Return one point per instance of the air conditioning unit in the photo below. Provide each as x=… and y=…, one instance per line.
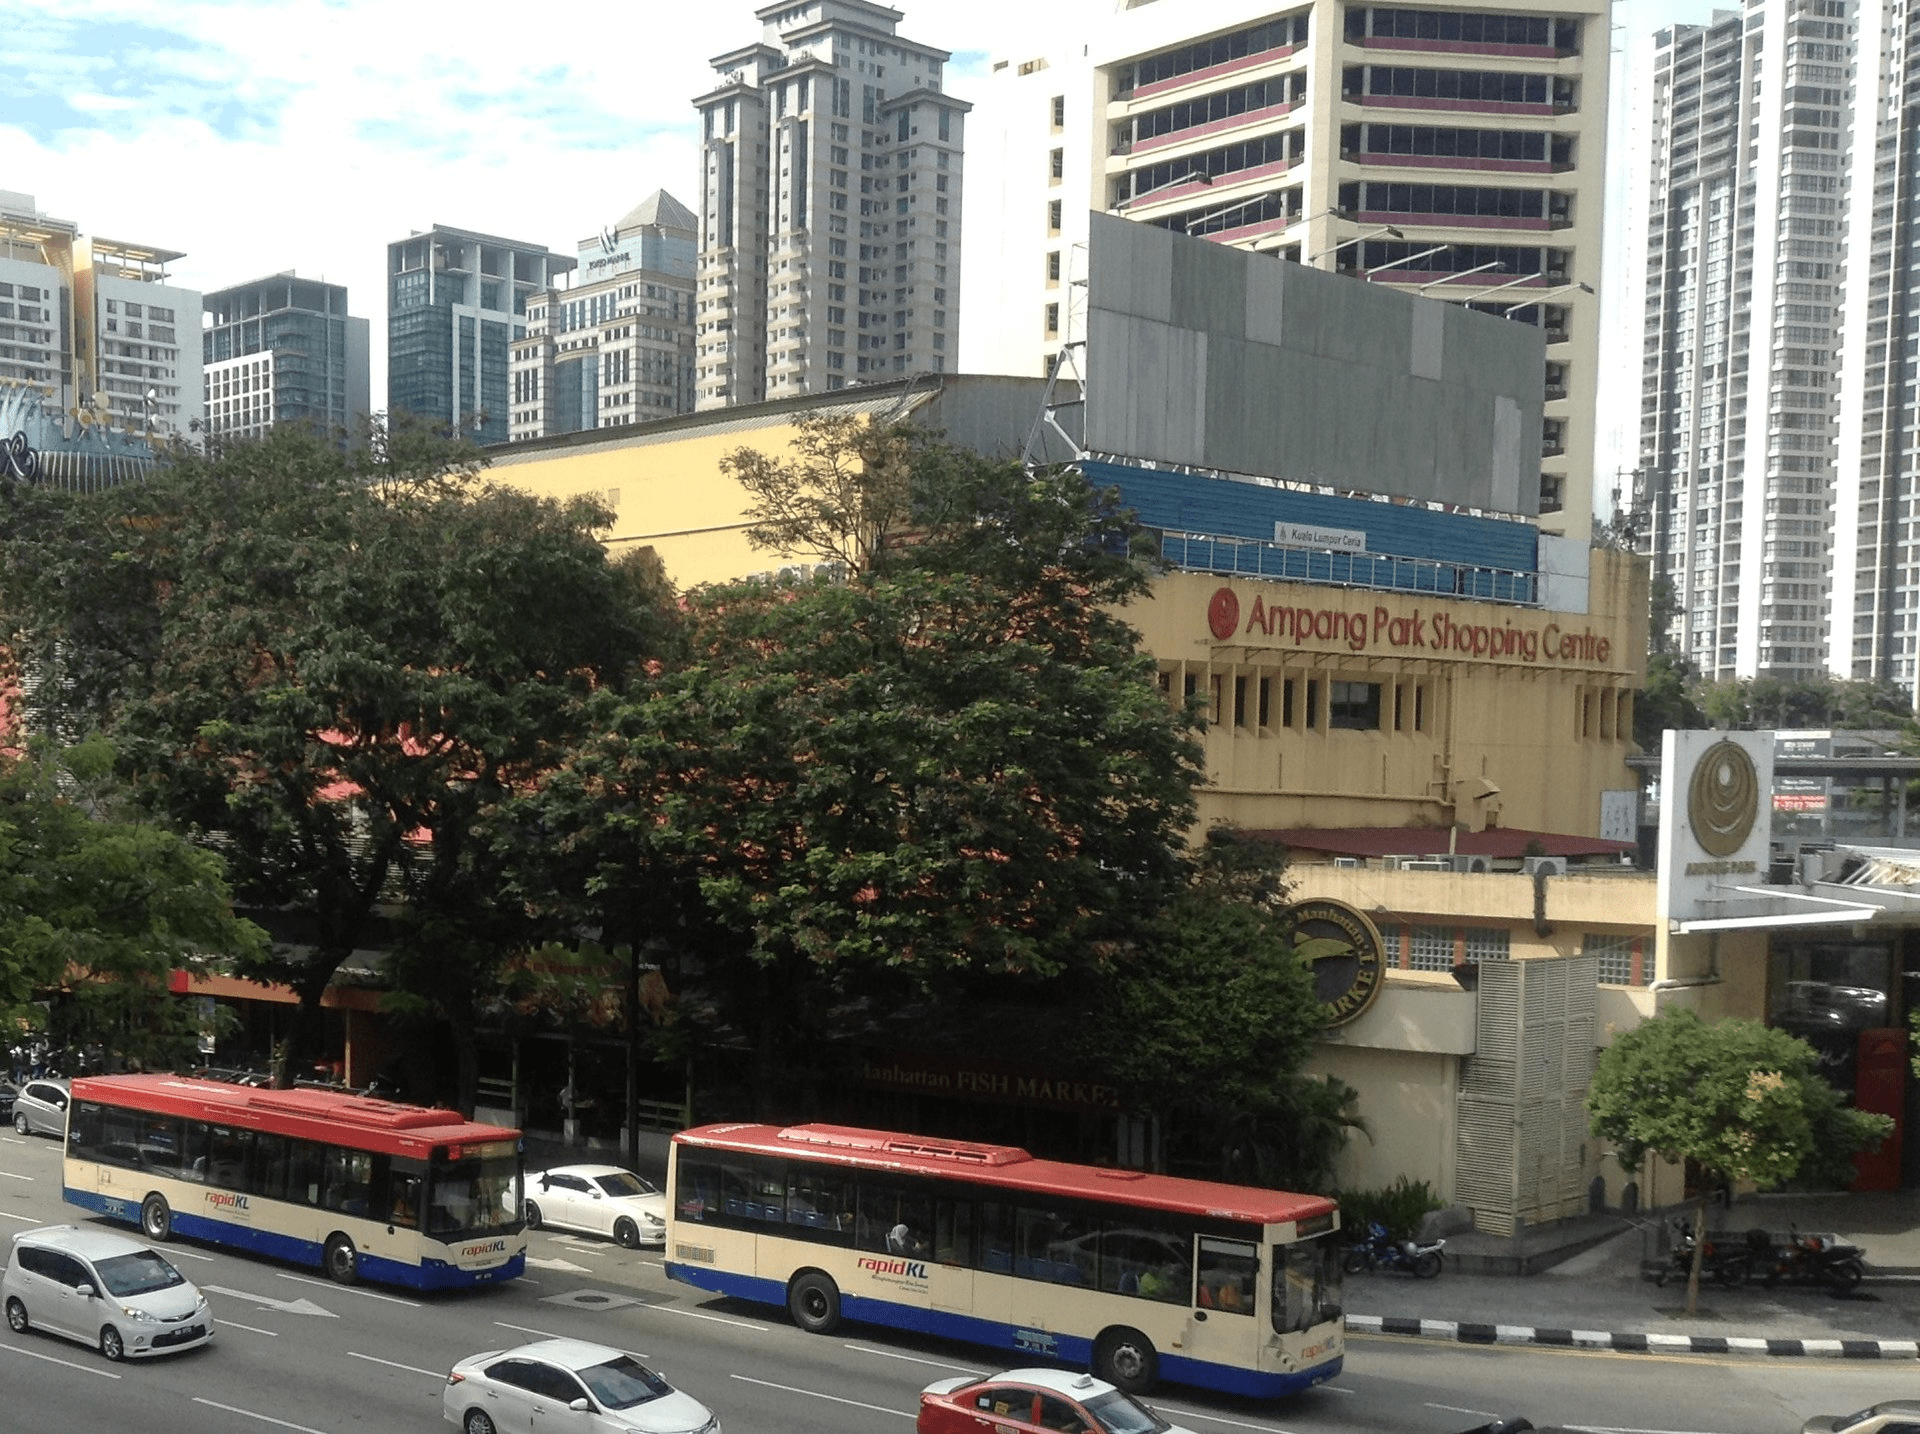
x=1348, y=861
x=1425, y=863
x=1551, y=865
x=1460, y=862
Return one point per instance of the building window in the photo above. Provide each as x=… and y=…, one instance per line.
x=1487, y=943
x=1617, y=959
x=1053, y=320
x=1053, y=266
x=1056, y=163
x=1059, y=111
x=1355, y=706
x=1053, y=216
x=1430, y=948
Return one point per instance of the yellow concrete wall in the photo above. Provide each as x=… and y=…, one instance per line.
x=1407, y=1102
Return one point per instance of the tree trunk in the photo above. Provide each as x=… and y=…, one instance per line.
x=1699, y=1254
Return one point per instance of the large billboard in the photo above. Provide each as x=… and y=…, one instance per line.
x=1207, y=356
x=1714, y=822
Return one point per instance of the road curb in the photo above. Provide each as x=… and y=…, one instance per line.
x=1464, y=1332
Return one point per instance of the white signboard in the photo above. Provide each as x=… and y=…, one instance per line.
x=1714, y=821
x=1620, y=815
x=1341, y=540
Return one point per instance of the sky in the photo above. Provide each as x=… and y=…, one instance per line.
x=255, y=136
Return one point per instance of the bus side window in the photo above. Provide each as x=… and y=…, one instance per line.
x=820, y=1204
x=305, y=1172
x=83, y=1126
x=270, y=1159
x=227, y=1161
x=996, y=1237
x=953, y=1231
x=696, y=1190
x=348, y=1173
x=1227, y=1272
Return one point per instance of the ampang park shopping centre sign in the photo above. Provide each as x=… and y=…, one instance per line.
x=1371, y=627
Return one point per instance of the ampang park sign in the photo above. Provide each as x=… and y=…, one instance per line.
x=1363, y=628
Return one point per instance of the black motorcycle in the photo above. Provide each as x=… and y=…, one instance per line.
x=1725, y=1260
x=1380, y=1251
x=1809, y=1260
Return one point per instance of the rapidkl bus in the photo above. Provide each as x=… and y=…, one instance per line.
x=1139, y=1276
x=363, y=1188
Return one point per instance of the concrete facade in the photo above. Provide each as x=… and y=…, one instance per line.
x=1455, y=153
x=284, y=349
x=831, y=162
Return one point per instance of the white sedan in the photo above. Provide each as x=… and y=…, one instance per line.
x=597, y=1199
x=567, y=1383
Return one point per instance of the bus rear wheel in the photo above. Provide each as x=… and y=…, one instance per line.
x=1125, y=1358
x=342, y=1260
x=156, y=1220
x=814, y=1302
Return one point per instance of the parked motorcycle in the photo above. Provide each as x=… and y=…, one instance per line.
x=1726, y=1260
x=1380, y=1251
x=1810, y=1260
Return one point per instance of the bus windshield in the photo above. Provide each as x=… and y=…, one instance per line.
x=1306, y=1279
x=468, y=1194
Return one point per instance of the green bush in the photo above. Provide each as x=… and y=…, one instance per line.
x=1400, y=1207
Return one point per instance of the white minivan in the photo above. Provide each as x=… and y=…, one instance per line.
x=104, y=1290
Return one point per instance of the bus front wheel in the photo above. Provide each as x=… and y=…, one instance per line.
x=343, y=1261
x=156, y=1220
x=814, y=1302
x=1125, y=1358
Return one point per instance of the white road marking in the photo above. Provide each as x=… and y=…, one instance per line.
x=250, y=1329
x=11, y=1176
x=1456, y=1409
x=566, y=1266
x=717, y=1319
x=249, y=1414
x=1217, y=1419
x=351, y=1290
x=526, y=1329
x=187, y=1254
x=65, y=1363
x=24, y=1219
x=911, y=1359
x=391, y=1364
x=815, y=1394
x=300, y=1307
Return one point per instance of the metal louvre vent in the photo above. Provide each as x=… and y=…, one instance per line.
x=1521, y=1144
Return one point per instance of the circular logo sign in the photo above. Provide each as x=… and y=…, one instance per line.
x=1223, y=614
x=1724, y=799
x=1344, y=952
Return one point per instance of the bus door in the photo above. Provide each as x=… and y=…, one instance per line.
x=1224, y=1325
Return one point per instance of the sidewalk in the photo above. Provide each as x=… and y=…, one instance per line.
x=1599, y=1297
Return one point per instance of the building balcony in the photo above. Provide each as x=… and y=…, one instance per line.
x=1252, y=557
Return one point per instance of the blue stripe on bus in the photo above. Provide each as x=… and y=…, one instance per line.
x=429, y=1275
x=970, y=1329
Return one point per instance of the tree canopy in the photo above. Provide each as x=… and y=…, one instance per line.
x=102, y=907
x=329, y=666
x=1738, y=1099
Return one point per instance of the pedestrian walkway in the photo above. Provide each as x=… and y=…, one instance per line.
x=1600, y=1296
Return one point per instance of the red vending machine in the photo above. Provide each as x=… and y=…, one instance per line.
x=1880, y=1085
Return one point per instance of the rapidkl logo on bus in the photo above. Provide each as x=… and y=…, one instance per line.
x=220, y=1200
x=491, y=1247
x=912, y=1269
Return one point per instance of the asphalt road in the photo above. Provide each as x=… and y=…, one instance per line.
x=296, y=1352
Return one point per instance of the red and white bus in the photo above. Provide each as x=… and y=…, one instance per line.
x=363, y=1188
x=1140, y=1276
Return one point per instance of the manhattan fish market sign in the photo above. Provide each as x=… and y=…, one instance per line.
x=1406, y=629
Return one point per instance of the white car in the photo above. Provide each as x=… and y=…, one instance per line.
x=568, y=1383
x=600, y=1200
x=104, y=1290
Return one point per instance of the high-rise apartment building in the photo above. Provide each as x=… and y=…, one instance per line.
x=285, y=350
x=617, y=346
x=456, y=301
x=1455, y=151
x=90, y=328
x=1745, y=263
x=830, y=207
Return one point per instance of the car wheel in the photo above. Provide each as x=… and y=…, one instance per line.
x=477, y=1422
x=1426, y=1265
x=20, y=1125
x=814, y=1302
x=342, y=1260
x=16, y=1317
x=1126, y=1359
x=627, y=1233
x=533, y=1223
x=156, y=1220
x=111, y=1345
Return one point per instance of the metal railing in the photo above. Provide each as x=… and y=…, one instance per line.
x=1252, y=557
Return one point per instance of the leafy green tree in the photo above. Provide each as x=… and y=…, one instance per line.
x=100, y=908
x=1740, y=1100
x=332, y=667
x=1665, y=701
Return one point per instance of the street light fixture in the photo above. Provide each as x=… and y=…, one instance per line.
x=1454, y=278
x=1229, y=209
x=1381, y=268
x=1541, y=298
x=1370, y=234
x=1190, y=176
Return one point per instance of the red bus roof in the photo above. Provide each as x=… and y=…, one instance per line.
x=1009, y=1167
x=326, y=1115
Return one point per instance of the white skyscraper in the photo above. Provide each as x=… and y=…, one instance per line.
x=830, y=207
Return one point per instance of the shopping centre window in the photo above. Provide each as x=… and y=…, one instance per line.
x=1616, y=959
x=1430, y=948
x=1486, y=943
x=1355, y=706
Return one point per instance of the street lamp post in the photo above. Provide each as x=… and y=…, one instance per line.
x=1382, y=268
x=1190, y=176
x=1542, y=298
x=1455, y=278
x=1356, y=239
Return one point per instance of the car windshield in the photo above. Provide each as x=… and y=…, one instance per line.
x=623, y=1183
x=1120, y=1414
x=623, y=1382
x=1852, y=1419
x=140, y=1273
